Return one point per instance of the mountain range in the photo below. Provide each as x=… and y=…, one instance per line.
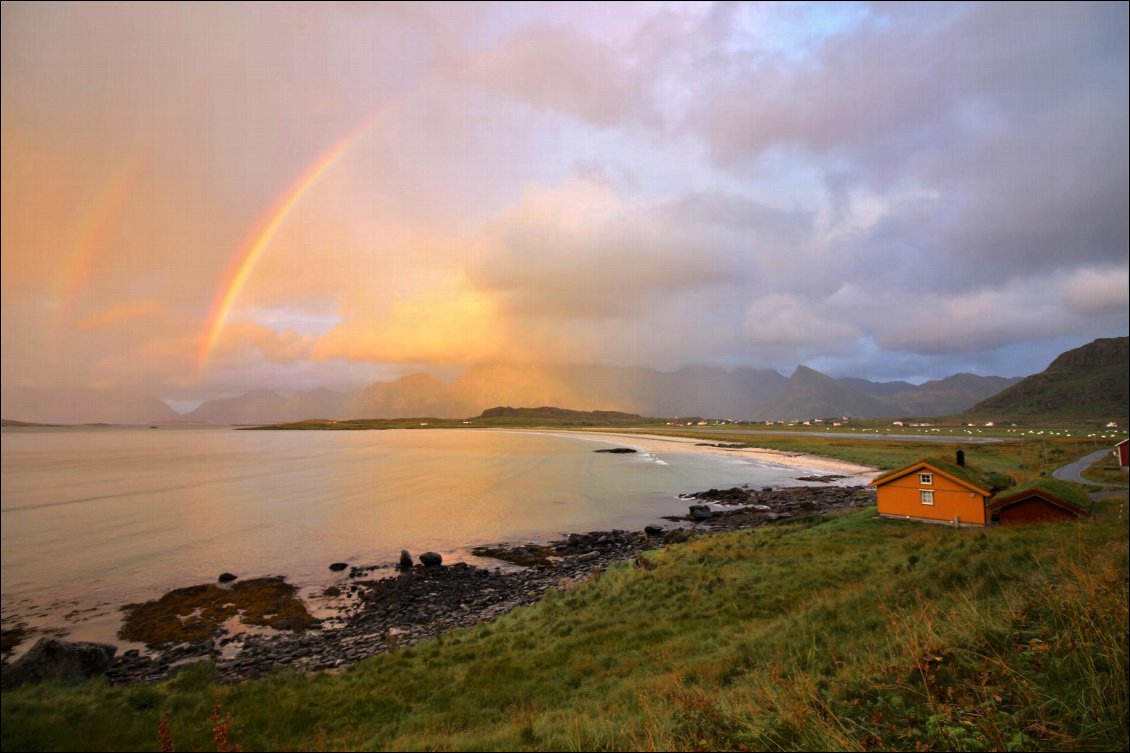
x=692, y=391
x=1087, y=382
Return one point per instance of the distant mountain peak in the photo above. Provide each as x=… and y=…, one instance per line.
x=1089, y=382
x=700, y=390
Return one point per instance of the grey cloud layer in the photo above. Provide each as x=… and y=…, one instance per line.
x=993, y=136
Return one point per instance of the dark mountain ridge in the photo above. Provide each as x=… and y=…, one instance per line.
x=1089, y=382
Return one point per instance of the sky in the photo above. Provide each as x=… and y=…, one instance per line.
x=203, y=199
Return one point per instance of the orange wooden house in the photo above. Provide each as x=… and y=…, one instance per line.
x=935, y=491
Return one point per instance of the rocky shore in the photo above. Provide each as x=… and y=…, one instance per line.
x=379, y=614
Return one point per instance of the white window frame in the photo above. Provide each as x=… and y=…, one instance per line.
x=926, y=479
x=926, y=496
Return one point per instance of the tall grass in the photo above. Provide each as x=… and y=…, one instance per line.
x=850, y=633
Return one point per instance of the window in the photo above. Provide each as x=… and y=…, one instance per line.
x=926, y=479
x=926, y=496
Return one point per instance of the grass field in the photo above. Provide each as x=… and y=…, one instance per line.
x=849, y=633
x=1106, y=471
x=1021, y=459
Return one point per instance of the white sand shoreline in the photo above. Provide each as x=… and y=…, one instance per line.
x=860, y=474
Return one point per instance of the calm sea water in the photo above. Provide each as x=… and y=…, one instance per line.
x=95, y=518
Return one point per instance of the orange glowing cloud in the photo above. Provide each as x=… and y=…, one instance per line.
x=121, y=313
x=251, y=341
x=449, y=324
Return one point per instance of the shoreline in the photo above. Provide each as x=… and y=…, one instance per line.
x=374, y=611
x=372, y=615
x=667, y=443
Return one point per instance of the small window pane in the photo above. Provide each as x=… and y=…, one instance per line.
x=927, y=497
x=926, y=479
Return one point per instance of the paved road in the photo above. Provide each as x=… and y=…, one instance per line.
x=849, y=435
x=1073, y=471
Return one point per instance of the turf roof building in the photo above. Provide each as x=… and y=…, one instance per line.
x=1040, y=501
x=936, y=491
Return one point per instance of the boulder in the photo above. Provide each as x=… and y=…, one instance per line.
x=226, y=577
x=676, y=536
x=701, y=512
x=405, y=560
x=589, y=556
x=653, y=530
x=431, y=559
x=337, y=567
x=53, y=659
x=618, y=450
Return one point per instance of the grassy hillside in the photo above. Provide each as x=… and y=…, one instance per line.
x=502, y=417
x=850, y=633
x=1091, y=382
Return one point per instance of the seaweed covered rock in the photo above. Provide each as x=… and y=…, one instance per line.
x=53, y=659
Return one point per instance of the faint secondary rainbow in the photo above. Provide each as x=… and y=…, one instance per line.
x=101, y=219
x=252, y=249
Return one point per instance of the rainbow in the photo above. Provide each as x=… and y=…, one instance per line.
x=104, y=213
x=100, y=219
x=249, y=253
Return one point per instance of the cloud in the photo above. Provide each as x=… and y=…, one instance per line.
x=556, y=68
x=448, y=323
x=580, y=251
x=1091, y=292
x=934, y=187
x=787, y=323
x=1020, y=310
x=121, y=313
x=1013, y=119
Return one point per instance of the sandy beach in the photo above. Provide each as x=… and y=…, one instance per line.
x=857, y=474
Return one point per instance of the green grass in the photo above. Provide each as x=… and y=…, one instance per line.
x=1021, y=460
x=1106, y=471
x=846, y=633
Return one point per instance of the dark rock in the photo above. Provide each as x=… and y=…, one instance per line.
x=427, y=601
x=676, y=536
x=226, y=577
x=701, y=512
x=618, y=450
x=733, y=496
x=53, y=659
x=405, y=560
x=337, y=567
x=431, y=559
